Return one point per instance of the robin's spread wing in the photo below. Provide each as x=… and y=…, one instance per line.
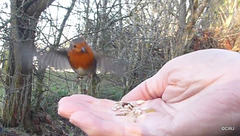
x=108, y=64
x=57, y=59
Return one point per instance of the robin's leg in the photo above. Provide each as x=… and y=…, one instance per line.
x=79, y=77
x=82, y=87
x=95, y=81
x=89, y=84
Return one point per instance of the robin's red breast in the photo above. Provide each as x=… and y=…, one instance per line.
x=79, y=56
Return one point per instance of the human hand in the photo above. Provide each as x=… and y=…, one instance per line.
x=194, y=94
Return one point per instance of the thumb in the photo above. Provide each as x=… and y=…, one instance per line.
x=149, y=89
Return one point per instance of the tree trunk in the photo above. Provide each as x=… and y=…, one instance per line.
x=187, y=26
x=42, y=70
x=24, y=18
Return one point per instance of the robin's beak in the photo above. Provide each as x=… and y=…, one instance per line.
x=83, y=49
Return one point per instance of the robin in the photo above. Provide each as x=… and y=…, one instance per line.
x=79, y=56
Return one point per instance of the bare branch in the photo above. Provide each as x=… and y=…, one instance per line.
x=63, y=23
x=35, y=7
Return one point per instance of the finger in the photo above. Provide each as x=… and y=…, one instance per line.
x=69, y=105
x=77, y=98
x=68, y=108
x=94, y=125
x=87, y=101
x=149, y=89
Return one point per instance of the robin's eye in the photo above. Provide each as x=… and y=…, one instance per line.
x=74, y=46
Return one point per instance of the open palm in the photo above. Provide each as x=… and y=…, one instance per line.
x=194, y=94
